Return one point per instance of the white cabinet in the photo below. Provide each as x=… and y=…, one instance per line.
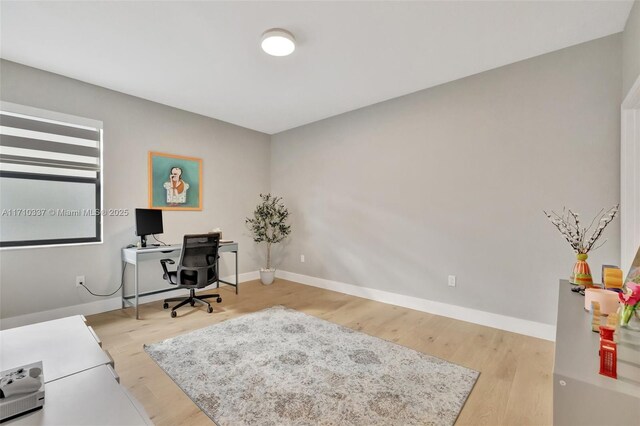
x=581, y=396
x=81, y=387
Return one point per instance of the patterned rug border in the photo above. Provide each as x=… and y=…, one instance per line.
x=147, y=345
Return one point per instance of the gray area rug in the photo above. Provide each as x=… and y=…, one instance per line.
x=283, y=367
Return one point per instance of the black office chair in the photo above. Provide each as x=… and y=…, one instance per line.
x=198, y=268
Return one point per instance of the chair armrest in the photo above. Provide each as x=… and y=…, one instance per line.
x=164, y=262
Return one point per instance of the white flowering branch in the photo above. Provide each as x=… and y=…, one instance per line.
x=568, y=223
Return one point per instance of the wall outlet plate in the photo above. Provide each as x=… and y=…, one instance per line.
x=302, y=258
x=79, y=280
x=452, y=281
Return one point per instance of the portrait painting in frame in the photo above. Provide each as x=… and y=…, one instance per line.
x=175, y=182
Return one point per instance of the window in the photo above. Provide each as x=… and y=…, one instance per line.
x=50, y=178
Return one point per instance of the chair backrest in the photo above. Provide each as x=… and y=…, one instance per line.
x=199, y=260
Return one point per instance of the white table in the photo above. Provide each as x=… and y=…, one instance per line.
x=65, y=346
x=91, y=397
x=134, y=254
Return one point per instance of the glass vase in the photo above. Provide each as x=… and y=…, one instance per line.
x=630, y=318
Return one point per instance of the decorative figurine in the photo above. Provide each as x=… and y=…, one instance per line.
x=608, y=359
x=612, y=321
x=595, y=317
x=606, y=332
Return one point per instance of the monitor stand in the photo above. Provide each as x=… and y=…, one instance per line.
x=143, y=240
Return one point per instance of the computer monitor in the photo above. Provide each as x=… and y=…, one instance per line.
x=148, y=222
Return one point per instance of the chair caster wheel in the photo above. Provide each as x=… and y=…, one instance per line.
x=209, y=309
x=192, y=303
x=165, y=306
x=219, y=300
x=174, y=314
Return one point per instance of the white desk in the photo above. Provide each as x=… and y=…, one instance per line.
x=65, y=346
x=91, y=397
x=134, y=254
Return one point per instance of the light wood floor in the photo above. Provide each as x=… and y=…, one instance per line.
x=514, y=388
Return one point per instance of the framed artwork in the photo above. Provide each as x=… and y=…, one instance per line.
x=634, y=271
x=175, y=182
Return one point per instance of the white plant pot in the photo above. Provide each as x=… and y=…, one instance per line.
x=267, y=276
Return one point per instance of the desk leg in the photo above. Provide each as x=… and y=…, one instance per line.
x=237, y=272
x=136, y=287
x=218, y=270
x=123, y=265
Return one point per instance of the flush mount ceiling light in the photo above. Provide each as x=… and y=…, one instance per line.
x=278, y=42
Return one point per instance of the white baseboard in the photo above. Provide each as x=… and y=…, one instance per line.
x=502, y=322
x=99, y=306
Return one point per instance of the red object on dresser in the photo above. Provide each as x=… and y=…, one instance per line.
x=606, y=332
x=608, y=358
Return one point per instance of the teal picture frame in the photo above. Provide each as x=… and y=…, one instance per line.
x=175, y=182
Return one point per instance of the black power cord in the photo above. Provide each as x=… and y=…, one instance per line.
x=110, y=294
x=155, y=238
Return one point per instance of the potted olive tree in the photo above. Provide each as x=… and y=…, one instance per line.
x=269, y=225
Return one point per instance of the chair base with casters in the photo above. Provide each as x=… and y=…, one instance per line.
x=191, y=300
x=198, y=268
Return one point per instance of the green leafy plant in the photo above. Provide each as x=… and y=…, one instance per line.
x=269, y=223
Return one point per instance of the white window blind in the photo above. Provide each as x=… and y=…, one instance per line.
x=50, y=177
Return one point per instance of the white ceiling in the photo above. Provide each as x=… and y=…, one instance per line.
x=205, y=57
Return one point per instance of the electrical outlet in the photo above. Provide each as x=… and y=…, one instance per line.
x=79, y=280
x=452, y=281
x=302, y=258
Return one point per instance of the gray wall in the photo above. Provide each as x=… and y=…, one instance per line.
x=235, y=171
x=453, y=180
x=631, y=49
x=395, y=196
